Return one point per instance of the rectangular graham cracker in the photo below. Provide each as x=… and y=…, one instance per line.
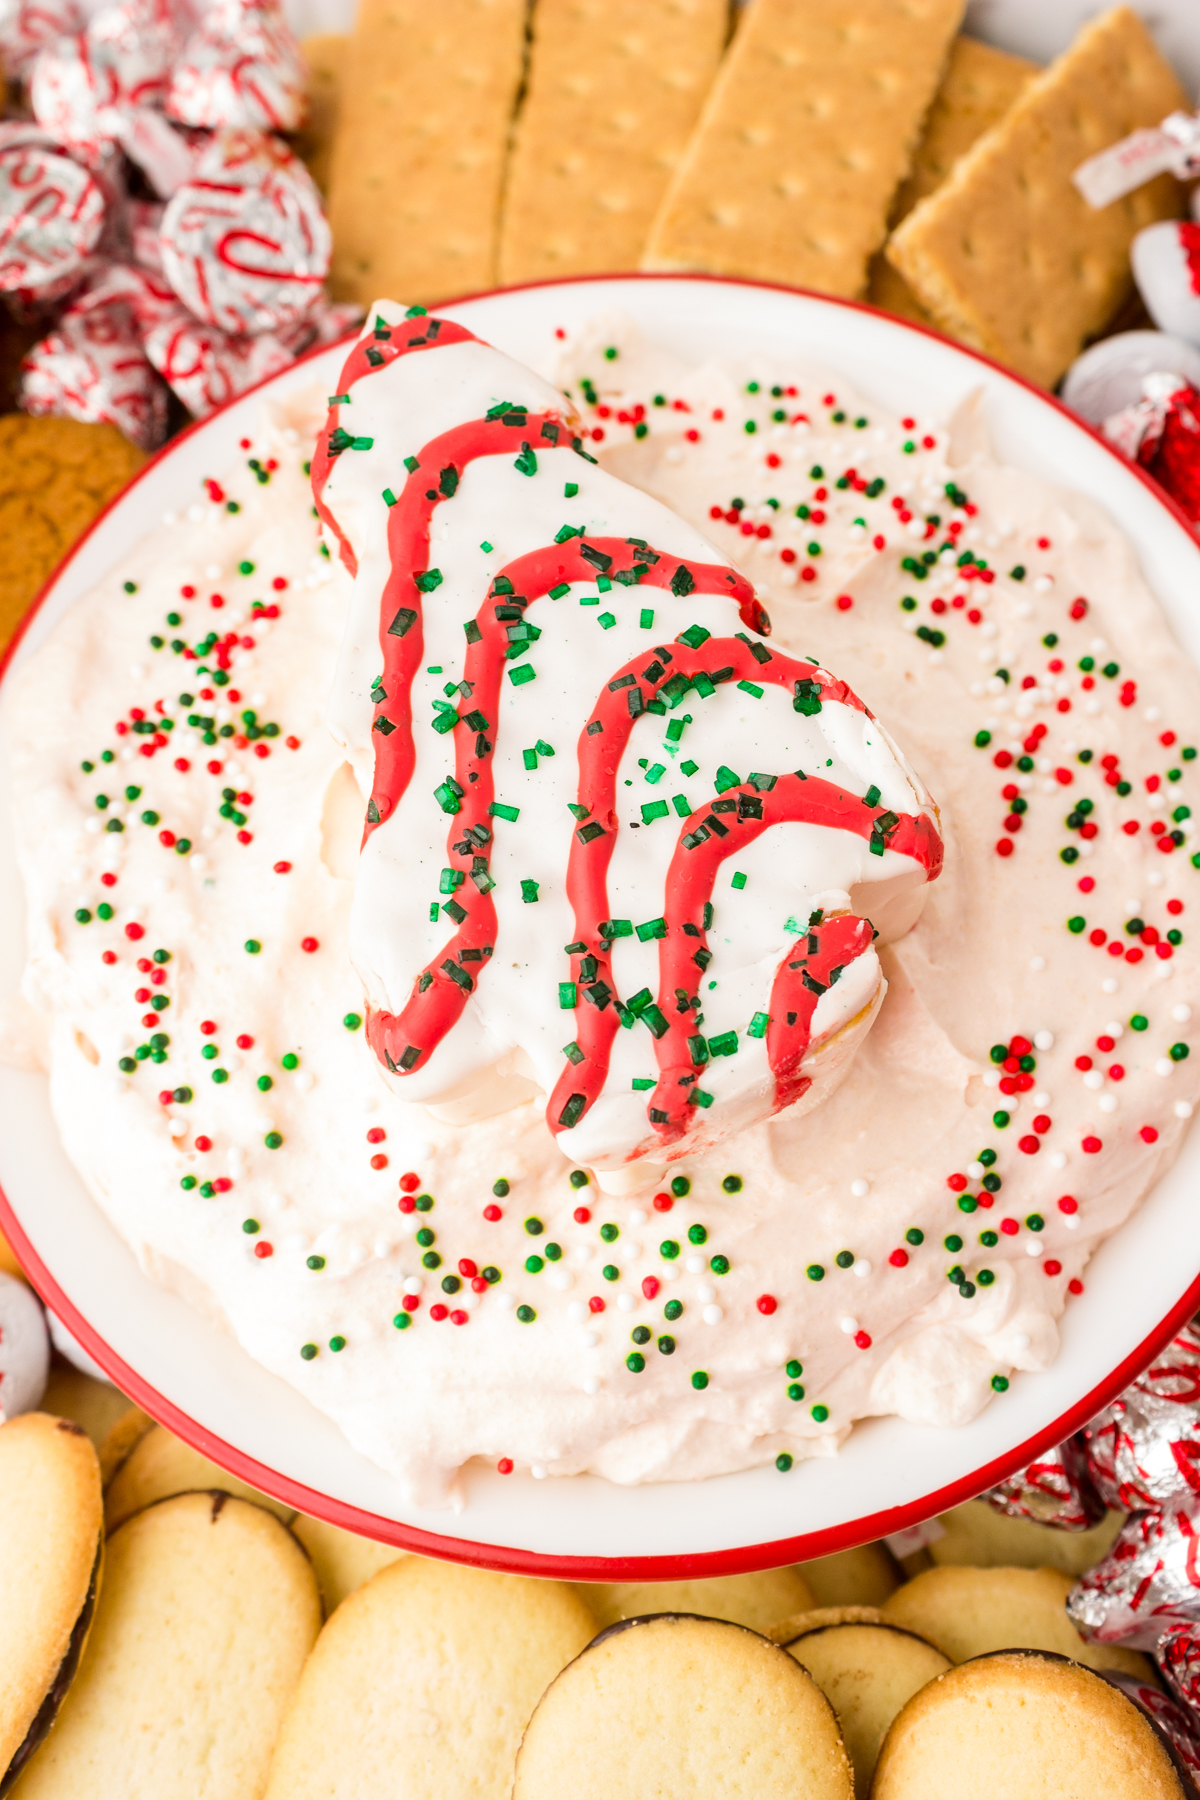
x=808, y=130
x=615, y=89
x=326, y=59
x=418, y=164
x=1007, y=256
x=979, y=86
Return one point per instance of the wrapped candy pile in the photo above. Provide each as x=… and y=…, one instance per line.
x=150, y=213
x=1140, y=1455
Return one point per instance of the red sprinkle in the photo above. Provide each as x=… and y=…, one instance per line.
x=650, y=1286
x=411, y=1302
x=1074, y=1286
x=263, y=1249
x=109, y=956
x=380, y=1161
x=203, y=1143
x=844, y=602
x=1148, y=1134
x=663, y=1202
x=283, y=868
x=1004, y=847
x=596, y=1304
x=899, y=1259
x=1068, y=1204
x=135, y=932
x=505, y=1465
x=1030, y=1145
x=863, y=1340
x=956, y=1183
x=1009, y=1227
x=310, y=944
x=410, y=1182
x=439, y=1312
x=377, y=1135
x=1091, y=1146
x=766, y=1303
x=457, y=1317
x=245, y=1041
x=1053, y=1267
x=492, y=1213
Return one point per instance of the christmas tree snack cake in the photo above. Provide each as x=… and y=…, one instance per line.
x=527, y=993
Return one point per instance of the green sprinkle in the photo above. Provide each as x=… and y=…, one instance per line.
x=739, y=880
x=699, y=1380
x=352, y=1021
x=635, y=1362
x=1139, y=1022
x=820, y=1414
x=522, y=673
x=308, y=1351
x=1000, y=1383
x=526, y=1315
x=571, y=489
x=646, y=618
x=815, y=1272
x=273, y=1140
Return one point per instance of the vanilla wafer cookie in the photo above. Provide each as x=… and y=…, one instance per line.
x=979, y=86
x=1007, y=256
x=615, y=89
x=809, y=128
x=415, y=179
x=756, y=1600
x=158, y=1464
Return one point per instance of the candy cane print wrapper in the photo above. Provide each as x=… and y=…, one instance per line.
x=245, y=243
x=27, y=26
x=206, y=367
x=52, y=214
x=82, y=87
x=1150, y=1579
x=241, y=69
x=1144, y=1449
x=617, y=850
x=92, y=367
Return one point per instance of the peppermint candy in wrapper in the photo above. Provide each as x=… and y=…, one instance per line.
x=92, y=367
x=242, y=70
x=1178, y=1657
x=82, y=88
x=245, y=243
x=1150, y=1579
x=52, y=214
x=1055, y=1490
x=206, y=366
x=1144, y=1449
x=27, y=26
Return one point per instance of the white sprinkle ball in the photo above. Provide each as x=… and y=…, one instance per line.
x=1037, y=964
x=1109, y=985
x=705, y=1293
x=589, y=1339
x=1183, y=1109
x=591, y=1385
x=859, y=1188
x=1181, y=1014
x=848, y=1325
x=1058, y=1160
x=696, y=1265
x=1034, y=1246
x=712, y=1315
x=626, y=1302
x=1043, y=1040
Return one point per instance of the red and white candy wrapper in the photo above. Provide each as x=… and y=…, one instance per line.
x=1179, y=1659
x=52, y=215
x=81, y=88
x=206, y=366
x=1144, y=1449
x=1150, y=1579
x=1162, y=433
x=1055, y=1490
x=246, y=244
x=242, y=70
x=1173, y=1720
x=324, y=323
x=92, y=367
x=27, y=26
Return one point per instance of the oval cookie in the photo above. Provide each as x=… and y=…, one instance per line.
x=51, y=1540
x=971, y=1612
x=864, y=1576
x=430, y=1669
x=756, y=1600
x=160, y=1464
x=977, y=1534
x=208, y=1611
x=867, y=1672
x=1021, y=1726
x=342, y=1560
x=680, y=1706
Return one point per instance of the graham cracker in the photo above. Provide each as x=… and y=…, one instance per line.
x=1007, y=256
x=979, y=86
x=615, y=89
x=418, y=161
x=809, y=128
x=325, y=55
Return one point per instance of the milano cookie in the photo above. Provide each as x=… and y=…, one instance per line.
x=51, y=1540
x=1006, y=255
x=208, y=1611
x=866, y=1671
x=971, y=1612
x=615, y=88
x=159, y=1464
x=754, y=1600
x=1023, y=1726
x=675, y=1705
x=432, y=1669
x=418, y=163
x=809, y=128
x=342, y=1561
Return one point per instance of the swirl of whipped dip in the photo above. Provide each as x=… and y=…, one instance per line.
x=599, y=807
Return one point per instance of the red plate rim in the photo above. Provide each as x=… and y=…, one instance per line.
x=745, y=1558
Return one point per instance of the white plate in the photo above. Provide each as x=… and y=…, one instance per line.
x=198, y=1381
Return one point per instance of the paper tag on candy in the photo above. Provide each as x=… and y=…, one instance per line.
x=1170, y=148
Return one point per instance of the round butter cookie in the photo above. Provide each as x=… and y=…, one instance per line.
x=1024, y=1726
x=755, y=1600
x=864, y=1576
x=432, y=1670
x=160, y=1464
x=343, y=1561
x=866, y=1672
x=677, y=1707
x=817, y=1617
x=970, y=1612
x=208, y=1611
x=979, y=1535
x=51, y=1545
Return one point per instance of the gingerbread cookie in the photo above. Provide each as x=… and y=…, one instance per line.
x=342, y=1560
x=159, y=1464
x=55, y=475
x=51, y=1542
x=429, y=1668
x=678, y=1705
x=1024, y=1726
x=867, y=1671
x=208, y=1611
x=972, y=1612
x=754, y=1600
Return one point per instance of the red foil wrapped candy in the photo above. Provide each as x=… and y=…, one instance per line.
x=1055, y=1490
x=1161, y=431
x=241, y=70
x=1144, y=1449
x=52, y=214
x=1149, y=1580
x=92, y=367
x=245, y=243
x=1179, y=1659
